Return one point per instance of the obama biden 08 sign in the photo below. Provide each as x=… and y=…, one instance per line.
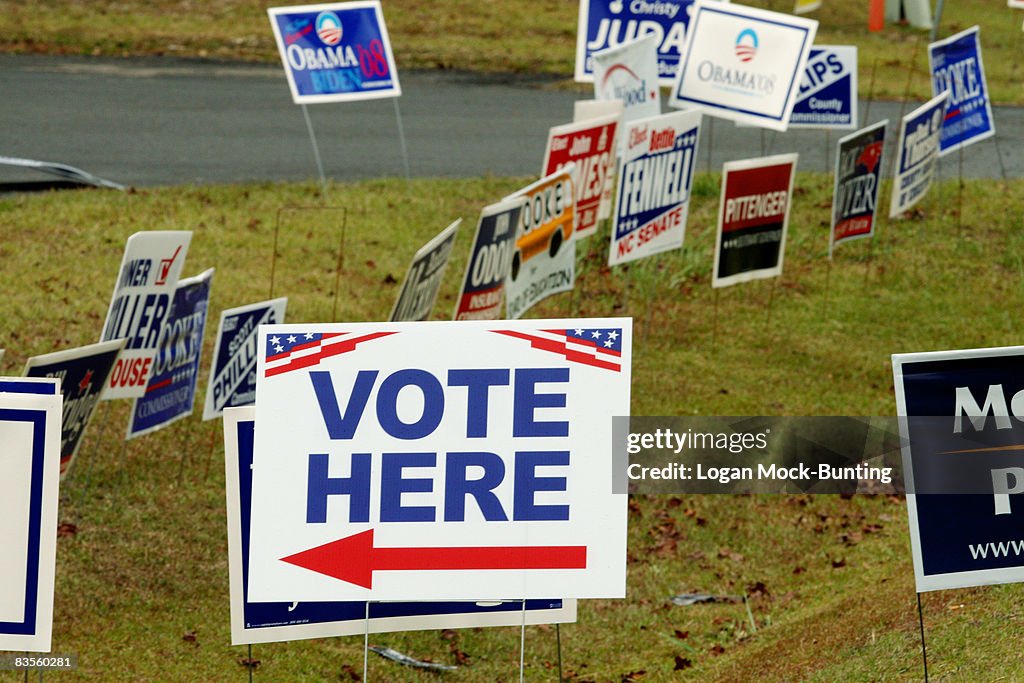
x=438, y=460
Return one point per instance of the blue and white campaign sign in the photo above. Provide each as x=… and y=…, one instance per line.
x=483, y=285
x=629, y=72
x=956, y=66
x=29, y=482
x=743, y=63
x=439, y=460
x=971, y=538
x=82, y=374
x=858, y=177
x=828, y=90
x=141, y=301
x=918, y=151
x=652, y=201
x=544, y=259
x=172, y=388
x=233, y=371
x=264, y=622
x=609, y=23
x=422, y=282
x=335, y=52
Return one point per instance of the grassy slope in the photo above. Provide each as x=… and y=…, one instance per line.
x=830, y=578
x=507, y=36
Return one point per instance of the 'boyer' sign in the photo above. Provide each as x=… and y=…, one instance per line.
x=141, y=302
x=437, y=461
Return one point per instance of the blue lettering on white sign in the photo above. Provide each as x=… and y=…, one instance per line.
x=270, y=614
x=527, y=387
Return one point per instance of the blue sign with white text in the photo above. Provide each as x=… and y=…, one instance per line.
x=956, y=66
x=335, y=52
x=966, y=539
x=608, y=23
x=827, y=97
x=233, y=372
x=82, y=373
x=172, y=386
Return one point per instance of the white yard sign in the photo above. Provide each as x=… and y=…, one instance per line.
x=439, y=460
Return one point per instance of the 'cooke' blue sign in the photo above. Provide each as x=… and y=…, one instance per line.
x=335, y=52
x=956, y=66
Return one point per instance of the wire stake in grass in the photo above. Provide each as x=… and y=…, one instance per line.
x=924, y=651
x=338, y=267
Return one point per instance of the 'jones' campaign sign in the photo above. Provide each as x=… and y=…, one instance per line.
x=591, y=145
x=483, y=285
x=172, y=388
x=977, y=537
x=29, y=483
x=918, y=151
x=743, y=63
x=956, y=66
x=439, y=460
x=82, y=373
x=264, y=622
x=335, y=52
x=858, y=179
x=233, y=373
x=752, y=219
x=544, y=259
x=828, y=90
x=141, y=301
x=654, y=186
x=609, y=23
x=419, y=290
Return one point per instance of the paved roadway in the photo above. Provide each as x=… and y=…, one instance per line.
x=161, y=121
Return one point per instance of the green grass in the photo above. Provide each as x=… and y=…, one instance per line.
x=142, y=587
x=490, y=36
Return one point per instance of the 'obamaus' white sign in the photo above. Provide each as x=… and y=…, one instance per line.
x=439, y=460
x=743, y=63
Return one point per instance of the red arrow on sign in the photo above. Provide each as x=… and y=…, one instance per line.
x=353, y=559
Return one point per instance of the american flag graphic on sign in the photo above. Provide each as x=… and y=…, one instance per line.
x=597, y=347
x=297, y=350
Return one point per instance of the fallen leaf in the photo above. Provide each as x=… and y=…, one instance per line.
x=682, y=663
x=350, y=670
x=249, y=663
x=189, y=637
x=717, y=649
x=66, y=529
x=838, y=564
x=682, y=635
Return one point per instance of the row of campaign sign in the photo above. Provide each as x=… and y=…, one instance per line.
x=732, y=61
x=462, y=473
x=471, y=460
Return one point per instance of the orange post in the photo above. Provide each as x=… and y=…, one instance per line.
x=876, y=15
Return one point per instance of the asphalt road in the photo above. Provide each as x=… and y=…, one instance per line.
x=159, y=122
